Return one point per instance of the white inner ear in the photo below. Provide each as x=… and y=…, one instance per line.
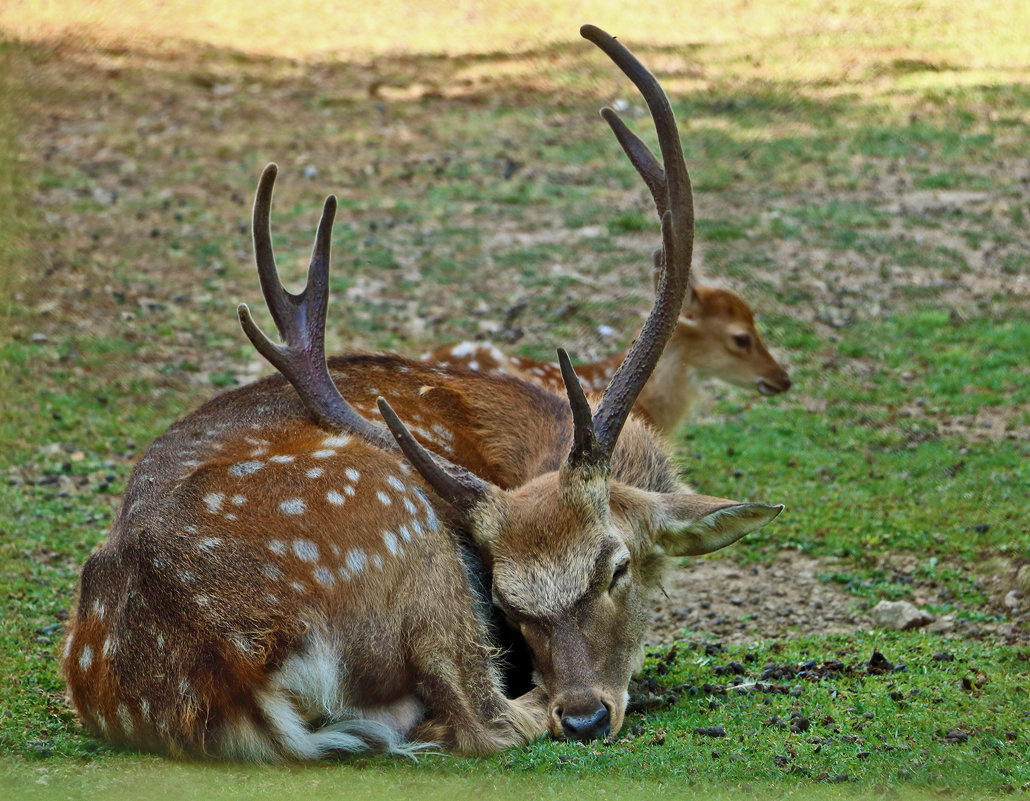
x=721, y=528
x=745, y=515
x=690, y=322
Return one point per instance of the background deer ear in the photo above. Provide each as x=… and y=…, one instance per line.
x=690, y=311
x=695, y=524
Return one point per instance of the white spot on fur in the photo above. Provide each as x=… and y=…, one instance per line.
x=324, y=576
x=431, y=520
x=335, y=498
x=405, y=533
x=355, y=560
x=463, y=349
x=349, y=490
x=299, y=587
x=86, y=657
x=98, y=608
x=239, y=500
x=395, y=482
x=213, y=501
x=352, y=475
x=336, y=441
x=208, y=543
x=277, y=546
x=68, y=645
x=272, y=572
x=314, y=472
x=110, y=644
x=245, y=468
x=293, y=506
x=324, y=454
x=377, y=561
x=305, y=550
x=409, y=506
x=473, y=365
x=390, y=540
x=283, y=459
x=384, y=499
x=202, y=600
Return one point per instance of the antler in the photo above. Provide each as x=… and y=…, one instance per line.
x=300, y=320
x=641, y=157
x=584, y=440
x=461, y=488
x=670, y=188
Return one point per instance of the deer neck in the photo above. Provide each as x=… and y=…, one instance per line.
x=672, y=390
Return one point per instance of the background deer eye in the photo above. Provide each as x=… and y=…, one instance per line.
x=742, y=341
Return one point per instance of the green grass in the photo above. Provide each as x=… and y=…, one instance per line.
x=846, y=715
x=862, y=191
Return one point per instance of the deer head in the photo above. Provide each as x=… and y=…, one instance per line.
x=717, y=330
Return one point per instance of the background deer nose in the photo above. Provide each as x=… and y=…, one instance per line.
x=593, y=725
x=780, y=383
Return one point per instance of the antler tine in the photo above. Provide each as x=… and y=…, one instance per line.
x=459, y=487
x=677, y=243
x=584, y=441
x=642, y=158
x=300, y=320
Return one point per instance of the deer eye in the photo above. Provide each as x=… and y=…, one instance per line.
x=742, y=341
x=620, y=571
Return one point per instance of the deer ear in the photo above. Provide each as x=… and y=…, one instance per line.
x=690, y=311
x=690, y=524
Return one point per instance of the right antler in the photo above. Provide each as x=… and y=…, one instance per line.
x=300, y=320
x=672, y=193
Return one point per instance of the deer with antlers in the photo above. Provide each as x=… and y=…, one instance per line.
x=289, y=580
x=715, y=337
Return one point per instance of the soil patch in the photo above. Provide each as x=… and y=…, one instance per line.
x=793, y=596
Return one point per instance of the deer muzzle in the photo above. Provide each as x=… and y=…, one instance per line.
x=588, y=718
x=774, y=384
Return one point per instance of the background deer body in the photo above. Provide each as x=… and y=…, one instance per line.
x=287, y=580
x=715, y=337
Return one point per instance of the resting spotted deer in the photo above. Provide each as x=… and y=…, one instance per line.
x=715, y=337
x=289, y=580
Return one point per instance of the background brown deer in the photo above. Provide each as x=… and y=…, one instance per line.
x=715, y=337
x=288, y=580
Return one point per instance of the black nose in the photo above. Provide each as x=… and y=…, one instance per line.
x=589, y=726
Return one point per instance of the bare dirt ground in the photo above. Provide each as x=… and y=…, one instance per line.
x=788, y=597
